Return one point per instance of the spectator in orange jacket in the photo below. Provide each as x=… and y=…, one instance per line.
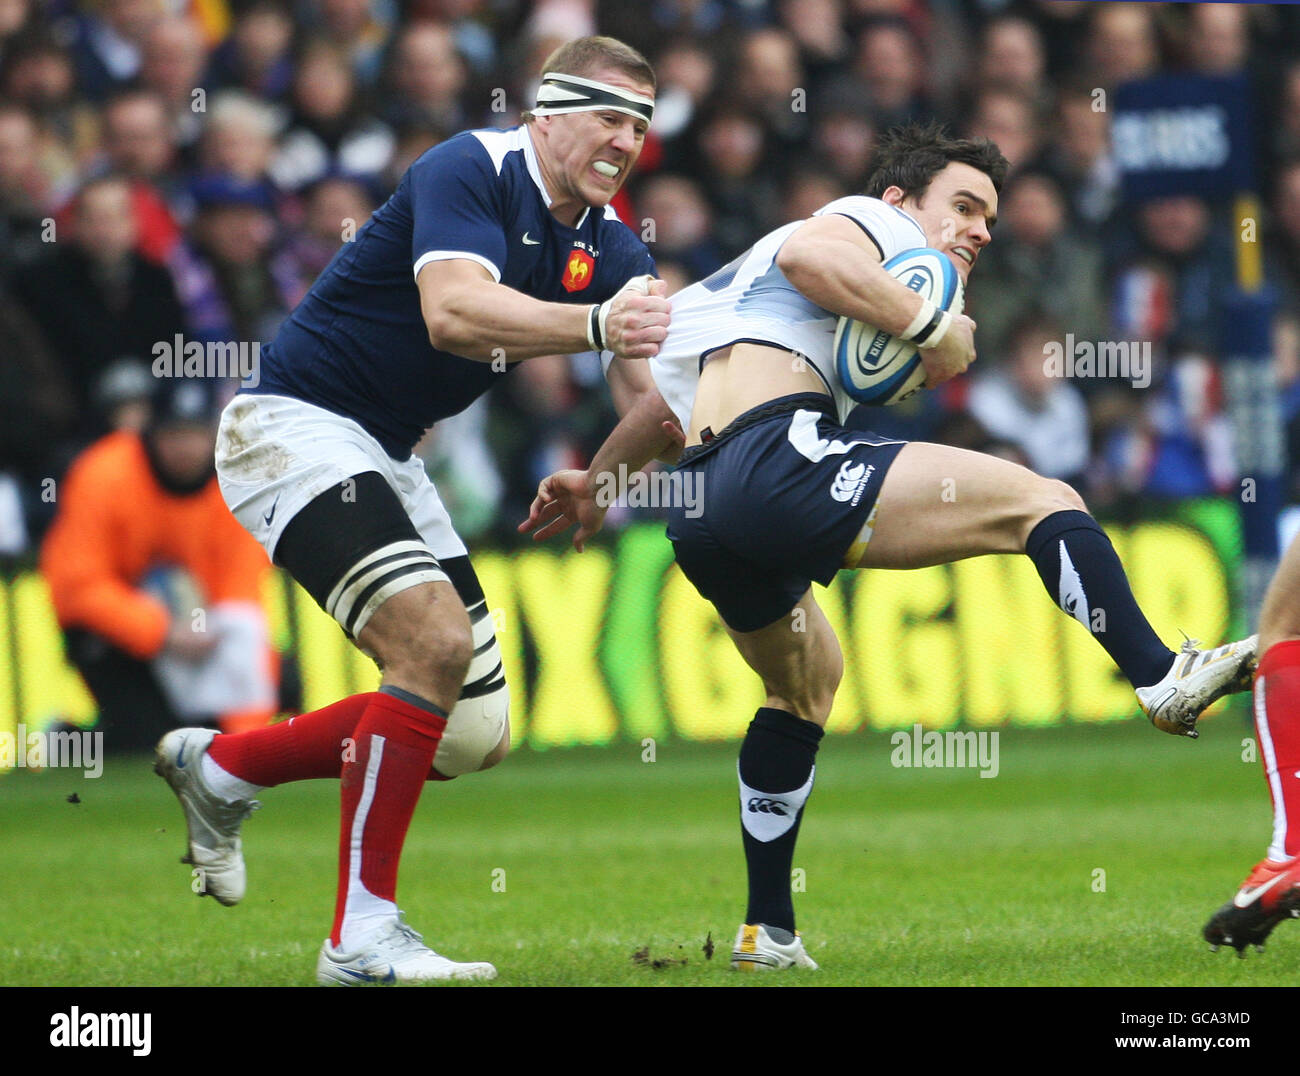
x=155, y=585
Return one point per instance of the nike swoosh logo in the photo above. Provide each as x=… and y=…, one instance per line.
x=391, y=977
x=271, y=514
x=531, y=242
x=1248, y=897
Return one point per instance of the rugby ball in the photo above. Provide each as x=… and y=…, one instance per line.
x=877, y=368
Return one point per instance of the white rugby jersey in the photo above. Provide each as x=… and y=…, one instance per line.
x=750, y=300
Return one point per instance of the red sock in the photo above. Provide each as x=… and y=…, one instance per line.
x=395, y=743
x=307, y=746
x=1277, y=724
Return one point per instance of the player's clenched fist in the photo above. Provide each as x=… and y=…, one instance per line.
x=952, y=354
x=634, y=322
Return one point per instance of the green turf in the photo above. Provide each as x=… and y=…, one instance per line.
x=913, y=877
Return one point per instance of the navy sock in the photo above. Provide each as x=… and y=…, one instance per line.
x=776, y=778
x=1082, y=573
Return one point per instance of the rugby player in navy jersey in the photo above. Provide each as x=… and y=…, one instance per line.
x=497, y=247
x=789, y=495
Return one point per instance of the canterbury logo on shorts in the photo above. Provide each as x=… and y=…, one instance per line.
x=851, y=480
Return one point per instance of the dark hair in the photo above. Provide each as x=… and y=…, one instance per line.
x=107, y=178
x=32, y=41
x=909, y=157
x=1041, y=174
x=1034, y=321
x=129, y=94
x=12, y=107
x=1289, y=163
x=892, y=23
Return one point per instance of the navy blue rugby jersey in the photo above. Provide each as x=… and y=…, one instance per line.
x=357, y=344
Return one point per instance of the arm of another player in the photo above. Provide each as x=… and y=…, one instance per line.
x=647, y=430
x=470, y=314
x=832, y=262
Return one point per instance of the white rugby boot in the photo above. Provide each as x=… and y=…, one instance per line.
x=1196, y=679
x=213, y=824
x=393, y=954
x=757, y=950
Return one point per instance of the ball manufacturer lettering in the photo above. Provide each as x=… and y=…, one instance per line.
x=874, y=366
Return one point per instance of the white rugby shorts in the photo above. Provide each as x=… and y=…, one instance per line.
x=276, y=454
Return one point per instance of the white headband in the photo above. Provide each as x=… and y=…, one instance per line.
x=561, y=93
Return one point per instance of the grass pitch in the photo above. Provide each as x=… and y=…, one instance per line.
x=1093, y=858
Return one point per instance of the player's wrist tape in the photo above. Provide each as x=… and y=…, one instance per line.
x=929, y=327
x=599, y=313
x=596, y=326
x=933, y=337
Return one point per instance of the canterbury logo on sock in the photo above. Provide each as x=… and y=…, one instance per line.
x=767, y=815
x=1072, y=598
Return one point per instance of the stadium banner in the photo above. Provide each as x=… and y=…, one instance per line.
x=615, y=645
x=1184, y=134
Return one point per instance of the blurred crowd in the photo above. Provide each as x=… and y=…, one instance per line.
x=187, y=167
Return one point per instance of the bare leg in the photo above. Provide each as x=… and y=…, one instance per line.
x=1280, y=618
x=421, y=638
x=798, y=659
x=940, y=504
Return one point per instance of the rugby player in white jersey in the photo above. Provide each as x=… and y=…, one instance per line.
x=789, y=495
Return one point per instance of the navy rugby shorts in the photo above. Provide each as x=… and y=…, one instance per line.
x=786, y=496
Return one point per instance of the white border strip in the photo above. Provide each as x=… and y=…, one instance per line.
x=451, y=255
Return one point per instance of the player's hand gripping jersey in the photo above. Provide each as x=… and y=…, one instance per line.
x=750, y=300
x=358, y=345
